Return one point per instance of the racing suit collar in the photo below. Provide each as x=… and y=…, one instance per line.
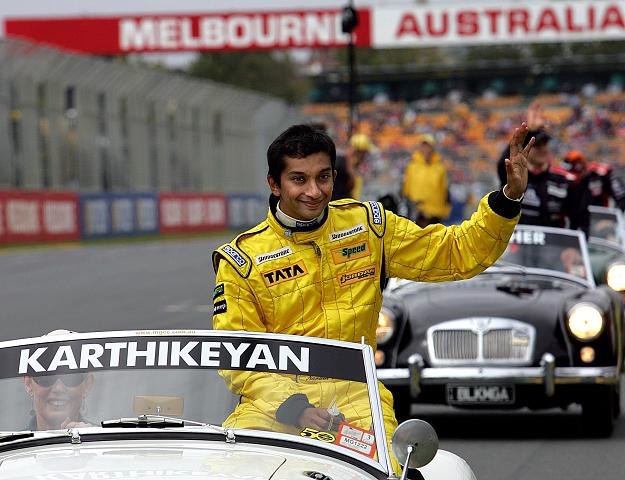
x=297, y=234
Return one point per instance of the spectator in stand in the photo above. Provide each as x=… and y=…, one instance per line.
x=553, y=197
x=344, y=180
x=598, y=178
x=425, y=183
x=360, y=146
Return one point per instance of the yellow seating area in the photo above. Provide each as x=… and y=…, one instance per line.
x=472, y=135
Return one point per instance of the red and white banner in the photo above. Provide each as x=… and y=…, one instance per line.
x=186, y=32
x=192, y=212
x=38, y=216
x=379, y=27
x=519, y=22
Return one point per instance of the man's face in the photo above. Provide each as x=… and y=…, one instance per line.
x=305, y=186
x=57, y=398
x=539, y=156
x=426, y=149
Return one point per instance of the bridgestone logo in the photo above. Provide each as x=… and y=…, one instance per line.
x=266, y=257
x=356, y=276
x=334, y=236
x=236, y=256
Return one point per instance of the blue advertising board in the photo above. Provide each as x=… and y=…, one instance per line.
x=118, y=214
x=246, y=210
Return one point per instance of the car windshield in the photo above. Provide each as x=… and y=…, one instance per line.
x=605, y=223
x=549, y=248
x=84, y=379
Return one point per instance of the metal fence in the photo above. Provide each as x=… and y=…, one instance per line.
x=92, y=124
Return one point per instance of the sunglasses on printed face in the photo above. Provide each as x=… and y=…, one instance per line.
x=69, y=380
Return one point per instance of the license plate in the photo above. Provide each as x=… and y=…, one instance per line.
x=480, y=394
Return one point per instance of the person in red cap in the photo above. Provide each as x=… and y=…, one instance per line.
x=598, y=178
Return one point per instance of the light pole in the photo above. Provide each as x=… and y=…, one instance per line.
x=349, y=22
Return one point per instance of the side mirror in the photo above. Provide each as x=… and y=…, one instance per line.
x=414, y=444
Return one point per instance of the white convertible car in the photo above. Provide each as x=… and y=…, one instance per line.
x=148, y=404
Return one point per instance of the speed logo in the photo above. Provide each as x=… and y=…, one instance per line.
x=350, y=252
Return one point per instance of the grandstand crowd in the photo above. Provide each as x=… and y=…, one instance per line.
x=471, y=134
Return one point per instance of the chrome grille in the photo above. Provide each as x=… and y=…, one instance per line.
x=505, y=344
x=455, y=344
x=481, y=341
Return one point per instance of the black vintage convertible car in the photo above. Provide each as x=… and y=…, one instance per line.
x=531, y=331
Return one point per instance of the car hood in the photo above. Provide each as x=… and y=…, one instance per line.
x=540, y=302
x=137, y=462
x=183, y=460
x=525, y=299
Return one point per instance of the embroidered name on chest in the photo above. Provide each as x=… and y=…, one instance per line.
x=350, y=252
x=280, y=275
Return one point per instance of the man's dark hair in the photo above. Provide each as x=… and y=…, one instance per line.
x=298, y=141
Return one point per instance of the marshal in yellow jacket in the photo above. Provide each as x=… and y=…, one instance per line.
x=327, y=282
x=425, y=183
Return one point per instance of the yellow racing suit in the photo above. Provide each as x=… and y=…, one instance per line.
x=327, y=282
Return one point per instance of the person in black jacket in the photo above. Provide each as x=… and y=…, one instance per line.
x=553, y=197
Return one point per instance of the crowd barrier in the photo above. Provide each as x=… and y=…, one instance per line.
x=41, y=216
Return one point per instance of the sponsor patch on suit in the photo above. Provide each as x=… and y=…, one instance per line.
x=218, y=290
x=354, y=276
x=350, y=252
x=234, y=255
x=285, y=274
x=266, y=257
x=350, y=232
x=220, y=307
x=377, y=213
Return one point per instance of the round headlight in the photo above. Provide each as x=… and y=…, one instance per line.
x=585, y=321
x=616, y=277
x=386, y=327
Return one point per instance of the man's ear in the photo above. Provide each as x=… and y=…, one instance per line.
x=273, y=185
x=334, y=172
x=28, y=385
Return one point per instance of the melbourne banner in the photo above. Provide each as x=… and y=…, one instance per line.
x=465, y=23
x=179, y=33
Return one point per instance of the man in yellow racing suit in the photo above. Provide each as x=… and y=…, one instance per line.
x=317, y=268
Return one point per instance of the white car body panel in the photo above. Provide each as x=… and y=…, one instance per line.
x=123, y=449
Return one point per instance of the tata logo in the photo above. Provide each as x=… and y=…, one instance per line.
x=350, y=252
x=285, y=274
x=356, y=276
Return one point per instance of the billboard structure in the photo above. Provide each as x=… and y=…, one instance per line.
x=379, y=27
